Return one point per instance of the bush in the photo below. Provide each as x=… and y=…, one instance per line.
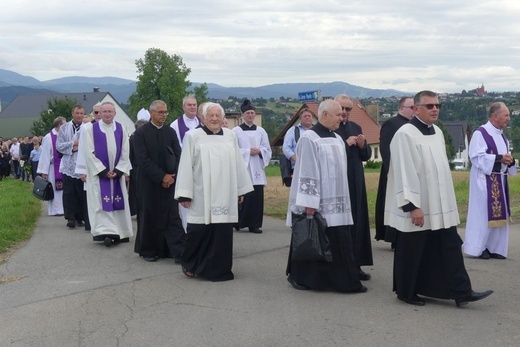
x=371, y=164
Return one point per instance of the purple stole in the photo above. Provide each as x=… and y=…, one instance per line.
x=183, y=129
x=109, y=202
x=498, y=203
x=56, y=160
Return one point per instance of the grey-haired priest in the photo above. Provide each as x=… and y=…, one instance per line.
x=212, y=179
x=106, y=152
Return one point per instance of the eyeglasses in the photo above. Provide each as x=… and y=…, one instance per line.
x=96, y=112
x=348, y=109
x=431, y=106
x=161, y=112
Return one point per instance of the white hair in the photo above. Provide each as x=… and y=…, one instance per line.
x=209, y=105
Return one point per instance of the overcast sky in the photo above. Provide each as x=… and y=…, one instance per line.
x=445, y=46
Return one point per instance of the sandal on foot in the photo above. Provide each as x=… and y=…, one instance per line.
x=187, y=273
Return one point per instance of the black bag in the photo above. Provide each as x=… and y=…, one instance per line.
x=286, y=169
x=43, y=189
x=309, y=241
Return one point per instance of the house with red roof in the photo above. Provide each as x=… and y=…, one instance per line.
x=358, y=115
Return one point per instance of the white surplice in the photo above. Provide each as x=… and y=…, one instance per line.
x=104, y=222
x=419, y=173
x=255, y=163
x=212, y=174
x=46, y=167
x=478, y=235
x=320, y=179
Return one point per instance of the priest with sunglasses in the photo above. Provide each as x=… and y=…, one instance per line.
x=421, y=205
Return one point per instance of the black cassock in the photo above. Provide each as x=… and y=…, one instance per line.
x=159, y=228
x=358, y=193
x=388, y=130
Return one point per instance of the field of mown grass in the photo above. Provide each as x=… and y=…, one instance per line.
x=276, y=195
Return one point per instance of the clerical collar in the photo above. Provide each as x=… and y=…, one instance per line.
x=246, y=127
x=155, y=125
x=424, y=128
x=76, y=127
x=322, y=131
x=209, y=132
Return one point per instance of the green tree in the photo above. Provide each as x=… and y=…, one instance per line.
x=201, y=93
x=448, y=141
x=55, y=108
x=161, y=77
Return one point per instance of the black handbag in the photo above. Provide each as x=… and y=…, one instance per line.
x=309, y=242
x=43, y=189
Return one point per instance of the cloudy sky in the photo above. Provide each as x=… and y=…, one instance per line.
x=441, y=45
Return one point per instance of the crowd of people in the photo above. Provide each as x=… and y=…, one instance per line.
x=192, y=182
x=20, y=157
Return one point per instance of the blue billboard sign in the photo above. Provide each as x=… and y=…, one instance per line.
x=308, y=96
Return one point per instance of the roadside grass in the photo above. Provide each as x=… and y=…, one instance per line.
x=19, y=211
x=277, y=195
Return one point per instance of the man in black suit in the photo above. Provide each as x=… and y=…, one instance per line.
x=386, y=134
x=357, y=152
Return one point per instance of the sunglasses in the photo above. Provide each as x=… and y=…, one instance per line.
x=431, y=106
x=348, y=109
x=96, y=112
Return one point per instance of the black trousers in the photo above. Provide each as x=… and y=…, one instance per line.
x=430, y=263
x=251, y=213
x=74, y=198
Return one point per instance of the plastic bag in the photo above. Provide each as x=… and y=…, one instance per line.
x=309, y=241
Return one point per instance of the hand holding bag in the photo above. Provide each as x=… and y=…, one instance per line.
x=309, y=241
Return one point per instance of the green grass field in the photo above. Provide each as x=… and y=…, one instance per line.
x=276, y=195
x=19, y=211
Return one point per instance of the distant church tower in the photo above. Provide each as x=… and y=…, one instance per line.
x=480, y=91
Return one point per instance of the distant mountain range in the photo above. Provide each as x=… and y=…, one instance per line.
x=13, y=84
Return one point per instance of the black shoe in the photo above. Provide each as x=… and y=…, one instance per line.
x=71, y=223
x=472, y=296
x=107, y=242
x=177, y=260
x=496, y=256
x=80, y=224
x=255, y=231
x=363, y=289
x=485, y=254
x=415, y=300
x=363, y=276
x=124, y=239
x=150, y=258
x=296, y=285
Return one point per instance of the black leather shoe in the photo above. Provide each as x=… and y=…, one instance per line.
x=485, y=254
x=107, y=242
x=150, y=259
x=472, y=296
x=415, y=300
x=363, y=276
x=496, y=256
x=296, y=285
x=71, y=223
x=80, y=224
x=255, y=231
x=363, y=289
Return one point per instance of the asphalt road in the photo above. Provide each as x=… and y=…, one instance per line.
x=61, y=289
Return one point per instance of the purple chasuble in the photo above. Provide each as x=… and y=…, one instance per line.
x=109, y=201
x=498, y=204
x=56, y=160
x=183, y=129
